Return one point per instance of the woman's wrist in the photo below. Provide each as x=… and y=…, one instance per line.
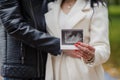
x=91, y=60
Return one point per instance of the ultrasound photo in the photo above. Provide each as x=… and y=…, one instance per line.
x=71, y=36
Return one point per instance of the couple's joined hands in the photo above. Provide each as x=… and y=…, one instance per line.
x=84, y=50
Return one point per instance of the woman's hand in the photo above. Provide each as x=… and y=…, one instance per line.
x=72, y=53
x=85, y=50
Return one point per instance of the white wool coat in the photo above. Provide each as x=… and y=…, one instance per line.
x=94, y=23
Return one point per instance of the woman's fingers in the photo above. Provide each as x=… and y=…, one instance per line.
x=72, y=53
x=83, y=54
x=85, y=51
x=86, y=45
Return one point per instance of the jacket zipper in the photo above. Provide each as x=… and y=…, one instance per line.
x=38, y=54
x=42, y=63
x=33, y=14
x=38, y=63
x=22, y=53
x=6, y=47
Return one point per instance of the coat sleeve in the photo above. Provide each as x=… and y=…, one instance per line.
x=99, y=35
x=17, y=26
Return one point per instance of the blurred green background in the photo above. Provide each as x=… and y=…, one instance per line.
x=113, y=64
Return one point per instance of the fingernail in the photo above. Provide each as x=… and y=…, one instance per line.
x=78, y=42
x=76, y=45
x=76, y=50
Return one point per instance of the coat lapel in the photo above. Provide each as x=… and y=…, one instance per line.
x=76, y=15
x=52, y=19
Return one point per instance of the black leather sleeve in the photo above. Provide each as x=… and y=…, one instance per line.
x=16, y=26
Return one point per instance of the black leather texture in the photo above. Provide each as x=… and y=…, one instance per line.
x=24, y=39
x=15, y=70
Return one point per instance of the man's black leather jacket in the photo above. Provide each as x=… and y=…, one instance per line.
x=24, y=39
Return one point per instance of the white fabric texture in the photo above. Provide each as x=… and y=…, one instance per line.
x=95, y=30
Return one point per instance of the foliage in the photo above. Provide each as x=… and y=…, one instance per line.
x=115, y=34
x=114, y=61
x=116, y=2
